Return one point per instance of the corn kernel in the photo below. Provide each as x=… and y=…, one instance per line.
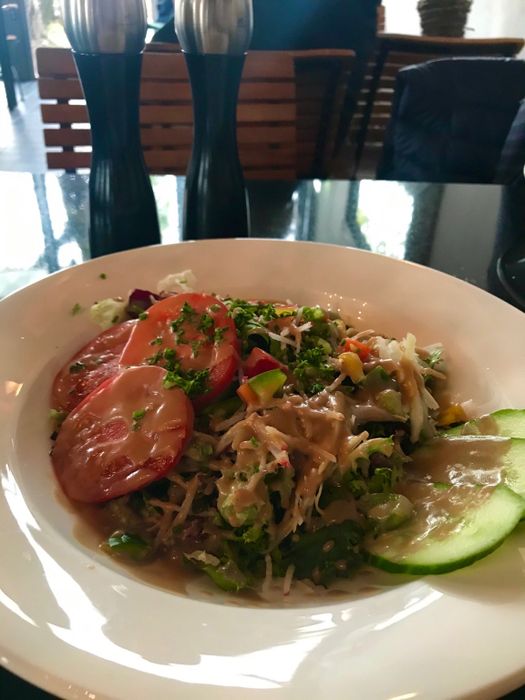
x=352, y=366
x=451, y=414
x=285, y=310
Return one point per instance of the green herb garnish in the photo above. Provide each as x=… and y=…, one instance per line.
x=76, y=367
x=137, y=417
x=218, y=334
x=195, y=347
x=58, y=417
x=156, y=358
x=192, y=382
x=312, y=370
x=205, y=323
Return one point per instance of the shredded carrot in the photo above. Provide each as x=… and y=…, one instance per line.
x=351, y=345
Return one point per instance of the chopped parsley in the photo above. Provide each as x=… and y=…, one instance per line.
x=58, y=417
x=76, y=367
x=434, y=357
x=76, y=309
x=192, y=382
x=254, y=442
x=166, y=358
x=143, y=315
x=249, y=316
x=196, y=345
x=156, y=358
x=170, y=356
x=137, y=417
x=205, y=323
x=186, y=315
x=312, y=370
x=180, y=336
x=218, y=334
x=156, y=341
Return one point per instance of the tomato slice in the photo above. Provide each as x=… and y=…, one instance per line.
x=259, y=361
x=96, y=362
x=127, y=433
x=199, y=334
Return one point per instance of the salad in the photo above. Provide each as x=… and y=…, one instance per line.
x=255, y=440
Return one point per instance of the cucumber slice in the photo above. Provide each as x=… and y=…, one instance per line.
x=508, y=422
x=462, y=540
x=514, y=467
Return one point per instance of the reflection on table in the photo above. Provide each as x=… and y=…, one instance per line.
x=459, y=229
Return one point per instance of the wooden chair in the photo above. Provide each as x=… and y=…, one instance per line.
x=381, y=18
x=393, y=52
x=287, y=113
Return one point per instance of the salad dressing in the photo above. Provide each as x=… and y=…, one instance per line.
x=174, y=575
x=446, y=476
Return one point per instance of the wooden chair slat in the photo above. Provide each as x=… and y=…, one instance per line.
x=68, y=160
x=67, y=137
x=55, y=63
x=168, y=114
x=287, y=100
x=64, y=114
x=172, y=92
x=179, y=136
x=60, y=89
x=272, y=174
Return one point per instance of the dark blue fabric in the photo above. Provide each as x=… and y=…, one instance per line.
x=512, y=162
x=450, y=119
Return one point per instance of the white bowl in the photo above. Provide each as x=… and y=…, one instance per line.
x=79, y=625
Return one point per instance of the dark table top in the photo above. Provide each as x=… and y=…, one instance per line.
x=459, y=229
x=455, y=228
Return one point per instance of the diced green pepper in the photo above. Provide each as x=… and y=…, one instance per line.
x=267, y=384
x=390, y=401
x=376, y=380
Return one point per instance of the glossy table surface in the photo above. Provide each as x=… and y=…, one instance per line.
x=458, y=229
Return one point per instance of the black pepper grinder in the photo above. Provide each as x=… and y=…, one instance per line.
x=214, y=36
x=107, y=38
